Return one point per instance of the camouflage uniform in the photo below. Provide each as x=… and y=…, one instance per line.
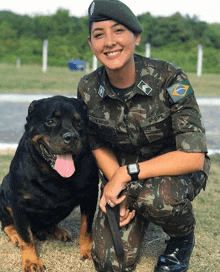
x=157, y=115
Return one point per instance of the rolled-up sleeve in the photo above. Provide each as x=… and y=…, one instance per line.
x=188, y=125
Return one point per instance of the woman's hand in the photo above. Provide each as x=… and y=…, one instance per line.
x=113, y=188
x=125, y=214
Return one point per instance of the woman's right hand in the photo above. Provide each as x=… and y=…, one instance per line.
x=125, y=214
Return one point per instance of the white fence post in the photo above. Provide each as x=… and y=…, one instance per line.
x=95, y=63
x=199, y=61
x=45, y=52
x=18, y=63
x=87, y=67
x=147, y=48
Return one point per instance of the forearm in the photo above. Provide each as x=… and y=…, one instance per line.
x=106, y=160
x=169, y=164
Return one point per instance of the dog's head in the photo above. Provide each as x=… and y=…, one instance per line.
x=57, y=129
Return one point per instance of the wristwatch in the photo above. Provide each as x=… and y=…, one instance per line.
x=133, y=171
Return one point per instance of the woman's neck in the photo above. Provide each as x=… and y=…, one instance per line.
x=122, y=78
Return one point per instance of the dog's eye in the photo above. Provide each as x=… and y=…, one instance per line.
x=79, y=124
x=50, y=123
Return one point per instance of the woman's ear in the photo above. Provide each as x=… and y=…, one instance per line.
x=89, y=41
x=137, y=38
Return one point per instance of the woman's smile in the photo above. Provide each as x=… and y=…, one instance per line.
x=113, y=44
x=113, y=54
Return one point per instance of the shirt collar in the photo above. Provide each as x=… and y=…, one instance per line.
x=141, y=85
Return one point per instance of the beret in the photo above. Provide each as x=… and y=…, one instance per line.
x=102, y=10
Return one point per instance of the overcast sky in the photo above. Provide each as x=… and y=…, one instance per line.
x=207, y=11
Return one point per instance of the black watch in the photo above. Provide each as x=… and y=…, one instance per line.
x=133, y=171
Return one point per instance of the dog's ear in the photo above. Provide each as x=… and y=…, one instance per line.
x=84, y=106
x=31, y=109
x=32, y=106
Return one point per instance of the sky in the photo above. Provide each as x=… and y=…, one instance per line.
x=207, y=11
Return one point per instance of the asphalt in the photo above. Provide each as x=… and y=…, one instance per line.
x=13, y=112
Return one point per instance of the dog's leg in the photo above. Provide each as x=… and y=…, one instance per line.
x=85, y=238
x=21, y=235
x=30, y=260
x=60, y=233
x=87, y=207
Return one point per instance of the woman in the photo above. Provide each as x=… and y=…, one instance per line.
x=147, y=136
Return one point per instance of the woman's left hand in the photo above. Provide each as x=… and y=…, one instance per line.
x=112, y=189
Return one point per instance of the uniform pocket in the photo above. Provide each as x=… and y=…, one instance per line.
x=157, y=127
x=105, y=129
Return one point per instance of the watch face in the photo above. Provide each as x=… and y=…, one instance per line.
x=133, y=168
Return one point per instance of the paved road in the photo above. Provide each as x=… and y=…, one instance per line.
x=13, y=111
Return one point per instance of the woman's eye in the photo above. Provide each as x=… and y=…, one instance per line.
x=98, y=35
x=119, y=30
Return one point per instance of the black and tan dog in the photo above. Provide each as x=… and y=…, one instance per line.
x=52, y=172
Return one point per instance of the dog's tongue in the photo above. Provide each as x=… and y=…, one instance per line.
x=64, y=165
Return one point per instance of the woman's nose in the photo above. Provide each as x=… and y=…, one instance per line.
x=109, y=40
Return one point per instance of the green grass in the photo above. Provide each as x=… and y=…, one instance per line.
x=58, y=256
x=60, y=80
x=31, y=79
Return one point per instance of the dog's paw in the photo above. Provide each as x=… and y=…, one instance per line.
x=85, y=254
x=12, y=234
x=33, y=266
x=60, y=233
x=85, y=249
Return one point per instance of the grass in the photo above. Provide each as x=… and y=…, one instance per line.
x=58, y=256
x=60, y=80
x=31, y=79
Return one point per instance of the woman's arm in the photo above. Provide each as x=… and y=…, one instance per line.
x=169, y=164
x=106, y=160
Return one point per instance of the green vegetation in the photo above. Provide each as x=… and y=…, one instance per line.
x=61, y=80
x=31, y=79
x=174, y=38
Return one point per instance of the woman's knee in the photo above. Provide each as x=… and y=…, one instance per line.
x=160, y=196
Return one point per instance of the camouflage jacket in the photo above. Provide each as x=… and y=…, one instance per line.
x=160, y=113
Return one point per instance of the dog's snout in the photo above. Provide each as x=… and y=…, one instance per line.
x=69, y=137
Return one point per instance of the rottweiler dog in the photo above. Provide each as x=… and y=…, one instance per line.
x=52, y=172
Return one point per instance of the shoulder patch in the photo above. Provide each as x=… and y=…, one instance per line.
x=180, y=90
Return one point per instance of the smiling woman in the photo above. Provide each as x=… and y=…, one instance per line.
x=113, y=44
x=147, y=135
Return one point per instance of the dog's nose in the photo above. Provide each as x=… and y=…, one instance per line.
x=69, y=137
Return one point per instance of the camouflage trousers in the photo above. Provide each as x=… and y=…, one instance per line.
x=165, y=201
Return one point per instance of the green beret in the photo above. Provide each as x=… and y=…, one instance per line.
x=102, y=10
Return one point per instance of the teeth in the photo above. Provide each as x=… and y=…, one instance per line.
x=47, y=153
x=54, y=157
x=112, y=53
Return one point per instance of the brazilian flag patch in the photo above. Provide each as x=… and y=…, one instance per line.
x=180, y=90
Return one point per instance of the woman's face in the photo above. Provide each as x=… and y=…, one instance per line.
x=113, y=44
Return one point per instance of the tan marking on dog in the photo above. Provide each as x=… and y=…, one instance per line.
x=46, y=140
x=12, y=234
x=60, y=233
x=30, y=260
x=76, y=116
x=26, y=196
x=9, y=209
x=58, y=113
x=37, y=137
x=85, y=239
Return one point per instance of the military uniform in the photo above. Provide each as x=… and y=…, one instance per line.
x=159, y=114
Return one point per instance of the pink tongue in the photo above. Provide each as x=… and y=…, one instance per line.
x=64, y=165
